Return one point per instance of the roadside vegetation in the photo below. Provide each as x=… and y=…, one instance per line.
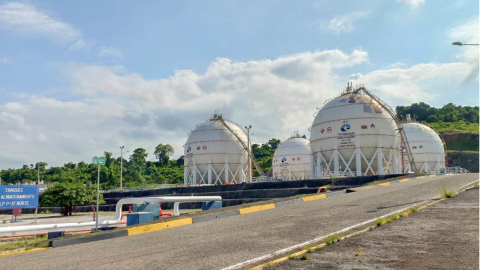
x=23, y=243
x=447, y=193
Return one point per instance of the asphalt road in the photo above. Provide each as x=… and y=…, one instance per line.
x=220, y=243
x=432, y=238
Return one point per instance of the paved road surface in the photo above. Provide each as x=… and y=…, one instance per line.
x=441, y=236
x=220, y=243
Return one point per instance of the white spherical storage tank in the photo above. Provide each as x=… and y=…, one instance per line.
x=353, y=135
x=214, y=155
x=427, y=148
x=291, y=160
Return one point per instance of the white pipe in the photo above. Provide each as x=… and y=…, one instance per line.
x=176, y=199
x=30, y=229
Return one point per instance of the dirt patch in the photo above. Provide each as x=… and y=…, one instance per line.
x=442, y=236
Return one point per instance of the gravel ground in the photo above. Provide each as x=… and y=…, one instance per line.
x=441, y=236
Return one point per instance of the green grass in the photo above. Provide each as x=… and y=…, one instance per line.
x=464, y=145
x=455, y=127
x=447, y=193
x=413, y=209
x=327, y=185
x=25, y=243
x=308, y=249
x=330, y=239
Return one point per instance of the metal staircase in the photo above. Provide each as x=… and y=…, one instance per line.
x=252, y=157
x=392, y=113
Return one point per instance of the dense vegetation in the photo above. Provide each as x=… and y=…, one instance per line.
x=448, y=119
x=137, y=171
x=68, y=195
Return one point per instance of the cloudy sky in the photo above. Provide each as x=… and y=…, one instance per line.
x=81, y=77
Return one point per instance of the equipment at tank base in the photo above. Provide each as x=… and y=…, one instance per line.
x=456, y=169
x=427, y=147
x=139, y=217
x=217, y=152
x=355, y=134
x=291, y=160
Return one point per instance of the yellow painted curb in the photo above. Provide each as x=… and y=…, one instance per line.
x=314, y=197
x=159, y=226
x=404, y=180
x=282, y=259
x=256, y=208
x=25, y=251
x=385, y=184
x=419, y=177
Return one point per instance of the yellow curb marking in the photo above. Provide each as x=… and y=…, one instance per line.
x=282, y=259
x=385, y=184
x=256, y=208
x=314, y=197
x=404, y=180
x=419, y=177
x=25, y=251
x=159, y=226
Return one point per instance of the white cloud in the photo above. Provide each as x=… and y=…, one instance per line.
x=275, y=96
x=25, y=19
x=110, y=52
x=421, y=82
x=412, y=3
x=343, y=23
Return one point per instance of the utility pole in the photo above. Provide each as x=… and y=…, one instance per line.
x=38, y=173
x=98, y=198
x=249, y=149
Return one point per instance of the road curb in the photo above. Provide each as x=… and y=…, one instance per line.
x=24, y=251
x=87, y=239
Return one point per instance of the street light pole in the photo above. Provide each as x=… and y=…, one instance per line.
x=249, y=150
x=457, y=43
x=121, y=167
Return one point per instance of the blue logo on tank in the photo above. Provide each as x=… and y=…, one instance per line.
x=345, y=127
x=189, y=149
x=284, y=159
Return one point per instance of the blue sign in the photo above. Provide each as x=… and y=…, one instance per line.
x=345, y=127
x=16, y=196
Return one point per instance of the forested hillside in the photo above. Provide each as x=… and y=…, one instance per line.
x=448, y=119
x=137, y=171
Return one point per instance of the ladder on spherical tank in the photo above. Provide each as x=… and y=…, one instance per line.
x=392, y=113
x=252, y=157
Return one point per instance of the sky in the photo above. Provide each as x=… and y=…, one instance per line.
x=78, y=78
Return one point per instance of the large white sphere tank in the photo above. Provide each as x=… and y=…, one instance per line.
x=214, y=155
x=291, y=160
x=354, y=135
x=426, y=146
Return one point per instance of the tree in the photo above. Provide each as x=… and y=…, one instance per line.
x=68, y=195
x=163, y=152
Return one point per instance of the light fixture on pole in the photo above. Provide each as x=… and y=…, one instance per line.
x=249, y=152
x=457, y=43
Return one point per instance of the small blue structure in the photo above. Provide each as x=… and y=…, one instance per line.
x=154, y=208
x=211, y=205
x=138, y=218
